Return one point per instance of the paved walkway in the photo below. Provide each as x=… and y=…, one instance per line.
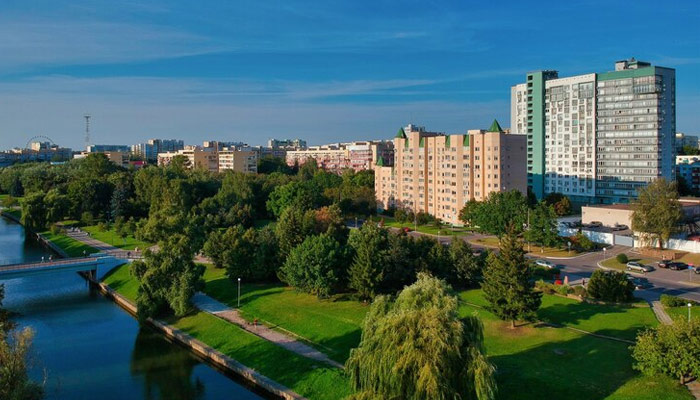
x=660, y=312
x=212, y=306
x=694, y=388
x=103, y=247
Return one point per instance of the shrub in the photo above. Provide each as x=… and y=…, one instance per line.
x=545, y=273
x=582, y=242
x=562, y=289
x=55, y=229
x=611, y=286
x=86, y=218
x=674, y=301
x=622, y=258
x=580, y=291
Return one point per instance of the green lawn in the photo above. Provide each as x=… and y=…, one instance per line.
x=332, y=326
x=71, y=246
x=612, y=320
x=313, y=380
x=533, y=361
x=536, y=361
x=429, y=228
x=682, y=312
x=110, y=237
x=120, y=279
x=614, y=264
x=16, y=212
x=532, y=248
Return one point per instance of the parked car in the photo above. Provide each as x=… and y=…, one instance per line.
x=637, y=267
x=544, y=263
x=620, y=227
x=697, y=270
x=678, y=266
x=641, y=283
x=595, y=224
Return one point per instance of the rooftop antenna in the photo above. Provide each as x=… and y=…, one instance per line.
x=87, y=130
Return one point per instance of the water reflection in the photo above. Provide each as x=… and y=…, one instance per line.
x=166, y=368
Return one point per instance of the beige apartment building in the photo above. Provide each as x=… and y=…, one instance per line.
x=337, y=157
x=238, y=160
x=438, y=173
x=197, y=157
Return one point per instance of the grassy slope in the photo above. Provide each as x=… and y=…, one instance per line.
x=313, y=380
x=110, y=237
x=331, y=326
x=534, y=249
x=71, y=246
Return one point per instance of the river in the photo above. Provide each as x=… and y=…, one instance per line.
x=86, y=347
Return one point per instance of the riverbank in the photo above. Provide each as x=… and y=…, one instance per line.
x=201, y=349
x=305, y=377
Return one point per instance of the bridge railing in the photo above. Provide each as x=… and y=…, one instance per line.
x=61, y=261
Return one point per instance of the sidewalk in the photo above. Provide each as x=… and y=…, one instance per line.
x=660, y=312
x=103, y=247
x=212, y=306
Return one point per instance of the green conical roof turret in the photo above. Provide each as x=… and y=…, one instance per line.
x=495, y=127
x=400, y=134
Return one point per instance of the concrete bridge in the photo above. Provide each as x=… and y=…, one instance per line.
x=99, y=263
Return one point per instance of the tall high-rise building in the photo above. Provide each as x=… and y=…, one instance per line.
x=438, y=174
x=597, y=137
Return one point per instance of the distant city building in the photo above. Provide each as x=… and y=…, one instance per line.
x=290, y=144
x=214, y=159
x=120, y=158
x=688, y=168
x=683, y=140
x=150, y=149
x=438, y=174
x=197, y=157
x=238, y=160
x=37, y=151
x=103, y=148
x=337, y=157
x=597, y=137
x=221, y=145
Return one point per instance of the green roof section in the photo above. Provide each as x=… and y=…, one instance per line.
x=447, y=141
x=422, y=142
x=626, y=73
x=465, y=141
x=400, y=134
x=495, y=127
x=380, y=162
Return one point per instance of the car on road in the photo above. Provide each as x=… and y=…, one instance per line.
x=595, y=224
x=544, y=263
x=619, y=227
x=634, y=266
x=673, y=265
x=641, y=283
x=696, y=270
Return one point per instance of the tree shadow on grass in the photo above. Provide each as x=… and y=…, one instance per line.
x=585, y=367
x=581, y=314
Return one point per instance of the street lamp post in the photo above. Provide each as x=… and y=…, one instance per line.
x=568, y=244
x=239, y=292
x=689, y=305
x=605, y=249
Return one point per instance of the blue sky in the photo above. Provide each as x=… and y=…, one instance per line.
x=325, y=71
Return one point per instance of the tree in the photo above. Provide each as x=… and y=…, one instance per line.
x=270, y=164
x=613, y=286
x=248, y=254
x=293, y=227
x=583, y=242
x=543, y=226
x=468, y=267
x=34, y=212
x=400, y=267
x=370, y=244
x=15, y=347
x=500, y=210
x=673, y=350
x=507, y=285
x=167, y=278
x=560, y=202
x=417, y=347
x=315, y=266
x=657, y=212
x=57, y=205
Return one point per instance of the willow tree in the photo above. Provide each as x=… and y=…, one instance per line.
x=657, y=212
x=417, y=347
